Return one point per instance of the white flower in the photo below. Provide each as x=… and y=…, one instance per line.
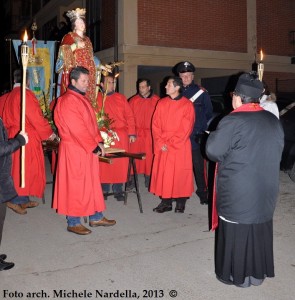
x=109, y=137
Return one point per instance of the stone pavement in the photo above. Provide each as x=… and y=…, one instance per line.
x=149, y=255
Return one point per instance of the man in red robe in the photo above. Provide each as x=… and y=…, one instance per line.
x=118, y=110
x=143, y=105
x=77, y=187
x=38, y=129
x=172, y=124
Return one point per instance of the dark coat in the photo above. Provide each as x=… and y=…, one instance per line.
x=248, y=148
x=7, y=190
x=203, y=110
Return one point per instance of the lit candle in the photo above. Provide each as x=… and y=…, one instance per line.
x=260, y=66
x=115, y=80
x=25, y=58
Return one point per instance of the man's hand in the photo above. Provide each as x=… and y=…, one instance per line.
x=102, y=150
x=52, y=137
x=25, y=136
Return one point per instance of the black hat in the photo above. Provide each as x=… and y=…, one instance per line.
x=249, y=85
x=185, y=66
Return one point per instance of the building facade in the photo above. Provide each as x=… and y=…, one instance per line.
x=220, y=38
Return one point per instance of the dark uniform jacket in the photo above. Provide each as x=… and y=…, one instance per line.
x=248, y=147
x=7, y=190
x=203, y=111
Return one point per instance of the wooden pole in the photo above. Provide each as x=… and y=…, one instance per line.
x=25, y=58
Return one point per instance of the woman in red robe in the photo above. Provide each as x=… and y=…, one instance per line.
x=172, y=124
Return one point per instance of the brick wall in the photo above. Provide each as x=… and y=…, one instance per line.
x=195, y=24
x=108, y=24
x=286, y=84
x=275, y=20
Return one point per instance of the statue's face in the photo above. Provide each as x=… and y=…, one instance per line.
x=80, y=25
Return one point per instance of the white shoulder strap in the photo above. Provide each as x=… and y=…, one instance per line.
x=196, y=95
x=283, y=111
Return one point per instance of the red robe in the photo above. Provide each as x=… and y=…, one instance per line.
x=172, y=172
x=77, y=186
x=38, y=129
x=143, y=109
x=2, y=102
x=83, y=57
x=118, y=109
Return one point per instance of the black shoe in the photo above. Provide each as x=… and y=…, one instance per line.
x=105, y=195
x=203, y=196
x=204, y=201
x=147, y=180
x=3, y=256
x=180, y=205
x=5, y=265
x=162, y=207
x=179, y=209
x=228, y=282
x=120, y=197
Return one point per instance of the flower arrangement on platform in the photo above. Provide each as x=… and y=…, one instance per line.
x=104, y=123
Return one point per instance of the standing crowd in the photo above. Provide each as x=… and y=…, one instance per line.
x=246, y=147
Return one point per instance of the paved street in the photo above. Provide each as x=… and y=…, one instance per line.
x=149, y=255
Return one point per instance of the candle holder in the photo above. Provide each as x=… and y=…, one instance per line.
x=260, y=70
x=24, y=54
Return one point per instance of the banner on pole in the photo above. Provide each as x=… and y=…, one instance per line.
x=40, y=68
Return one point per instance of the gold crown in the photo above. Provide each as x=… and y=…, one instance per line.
x=76, y=13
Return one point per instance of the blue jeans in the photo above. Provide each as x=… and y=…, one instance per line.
x=117, y=187
x=74, y=221
x=20, y=200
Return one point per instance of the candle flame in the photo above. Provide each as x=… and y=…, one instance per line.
x=261, y=55
x=25, y=36
x=117, y=75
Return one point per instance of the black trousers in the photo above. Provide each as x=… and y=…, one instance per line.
x=2, y=218
x=200, y=171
